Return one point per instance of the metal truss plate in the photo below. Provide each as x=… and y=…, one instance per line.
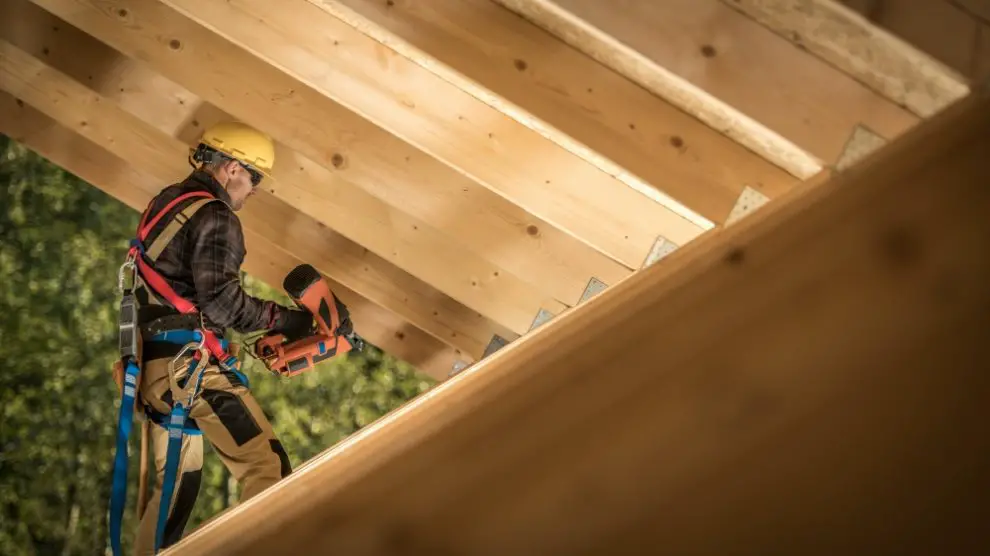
x=661, y=248
x=749, y=201
x=457, y=367
x=542, y=317
x=594, y=287
x=495, y=344
x=861, y=144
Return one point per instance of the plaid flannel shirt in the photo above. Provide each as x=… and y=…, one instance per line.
x=202, y=262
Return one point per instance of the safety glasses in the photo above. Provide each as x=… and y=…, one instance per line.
x=256, y=176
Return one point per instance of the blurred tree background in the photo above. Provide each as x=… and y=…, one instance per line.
x=61, y=243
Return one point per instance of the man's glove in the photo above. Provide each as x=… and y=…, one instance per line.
x=294, y=323
x=346, y=327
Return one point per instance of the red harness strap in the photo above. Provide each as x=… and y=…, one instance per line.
x=157, y=283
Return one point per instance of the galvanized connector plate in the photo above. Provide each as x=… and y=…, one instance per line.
x=749, y=201
x=594, y=287
x=862, y=142
x=495, y=344
x=661, y=248
x=457, y=367
x=542, y=317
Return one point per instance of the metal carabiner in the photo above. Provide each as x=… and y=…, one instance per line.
x=191, y=346
x=128, y=264
x=195, y=376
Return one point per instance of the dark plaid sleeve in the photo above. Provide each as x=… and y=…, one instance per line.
x=217, y=254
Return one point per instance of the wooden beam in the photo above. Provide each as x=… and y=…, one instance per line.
x=508, y=58
x=950, y=31
x=360, y=155
x=102, y=121
x=659, y=413
x=358, y=67
x=710, y=51
x=889, y=65
x=434, y=256
x=135, y=188
x=614, y=53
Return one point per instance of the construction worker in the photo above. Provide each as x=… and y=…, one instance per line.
x=193, y=238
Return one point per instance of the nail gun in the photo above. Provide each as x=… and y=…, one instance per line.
x=334, y=334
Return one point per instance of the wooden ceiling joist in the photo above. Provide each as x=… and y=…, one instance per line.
x=682, y=426
x=889, y=65
x=319, y=49
x=521, y=67
x=420, y=248
x=135, y=187
x=359, y=154
x=720, y=53
x=614, y=50
x=951, y=31
x=101, y=120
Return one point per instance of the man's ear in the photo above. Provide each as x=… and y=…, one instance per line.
x=232, y=167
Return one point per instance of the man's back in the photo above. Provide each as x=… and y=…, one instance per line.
x=202, y=262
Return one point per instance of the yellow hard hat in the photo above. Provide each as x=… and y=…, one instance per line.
x=242, y=143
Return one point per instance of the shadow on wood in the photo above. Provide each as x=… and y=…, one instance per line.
x=812, y=380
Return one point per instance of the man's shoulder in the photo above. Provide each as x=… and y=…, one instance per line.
x=217, y=219
x=216, y=207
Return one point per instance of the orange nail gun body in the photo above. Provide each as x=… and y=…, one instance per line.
x=292, y=356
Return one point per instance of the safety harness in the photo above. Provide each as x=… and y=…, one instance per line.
x=202, y=342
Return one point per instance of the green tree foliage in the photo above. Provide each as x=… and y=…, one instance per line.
x=61, y=242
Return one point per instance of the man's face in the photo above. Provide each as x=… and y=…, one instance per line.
x=237, y=183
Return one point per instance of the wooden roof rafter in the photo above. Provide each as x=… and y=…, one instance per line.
x=587, y=462
x=492, y=193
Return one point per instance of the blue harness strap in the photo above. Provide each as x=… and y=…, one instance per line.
x=176, y=425
x=118, y=497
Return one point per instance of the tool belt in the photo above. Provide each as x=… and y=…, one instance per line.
x=178, y=321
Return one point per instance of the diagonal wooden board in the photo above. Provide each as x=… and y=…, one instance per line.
x=100, y=120
x=398, y=94
x=680, y=426
x=886, y=63
x=473, y=283
x=517, y=67
x=356, y=150
x=714, y=61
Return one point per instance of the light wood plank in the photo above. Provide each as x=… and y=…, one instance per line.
x=434, y=256
x=265, y=261
x=721, y=53
x=79, y=108
x=954, y=31
x=891, y=66
x=615, y=53
x=393, y=87
x=357, y=152
x=612, y=115
x=936, y=27
x=684, y=428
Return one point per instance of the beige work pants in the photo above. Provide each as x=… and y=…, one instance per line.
x=232, y=421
